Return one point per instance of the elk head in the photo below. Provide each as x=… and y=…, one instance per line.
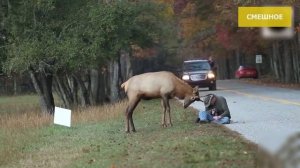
x=191, y=98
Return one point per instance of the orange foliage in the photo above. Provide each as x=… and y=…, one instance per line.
x=168, y=12
x=190, y=24
x=189, y=27
x=143, y=53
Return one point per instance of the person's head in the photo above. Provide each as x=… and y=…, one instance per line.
x=210, y=100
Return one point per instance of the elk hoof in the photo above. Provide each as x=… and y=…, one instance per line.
x=164, y=125
x=127, y=131
x=170, y=125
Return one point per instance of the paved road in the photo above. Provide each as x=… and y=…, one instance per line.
x=264, y=115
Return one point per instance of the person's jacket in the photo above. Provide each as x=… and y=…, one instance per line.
x=220, y=106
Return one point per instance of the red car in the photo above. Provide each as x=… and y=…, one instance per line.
x=246, y=72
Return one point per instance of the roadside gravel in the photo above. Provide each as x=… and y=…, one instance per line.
x=267, y=116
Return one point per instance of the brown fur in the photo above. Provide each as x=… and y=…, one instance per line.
x=163, y=85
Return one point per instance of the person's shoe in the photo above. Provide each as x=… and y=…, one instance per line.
x=203, y=121
x=197, y=120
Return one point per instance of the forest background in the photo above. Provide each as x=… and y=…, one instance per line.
x=84, y=50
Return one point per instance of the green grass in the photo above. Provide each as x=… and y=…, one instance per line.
x=105, y=144
x=16, y=104
x=22, y=103
x=24, y=99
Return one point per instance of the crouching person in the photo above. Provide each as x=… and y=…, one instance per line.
x=216, y=110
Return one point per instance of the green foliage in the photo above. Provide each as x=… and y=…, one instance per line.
x=117, y=26
x=77, y=34
x=31, y=34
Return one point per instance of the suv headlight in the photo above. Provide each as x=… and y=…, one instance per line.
x=185, y=77
x=210, y=75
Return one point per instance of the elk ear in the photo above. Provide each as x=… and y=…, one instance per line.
x=195, y=90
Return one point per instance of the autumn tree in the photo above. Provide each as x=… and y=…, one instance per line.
x=235, y=44
x=76, y=46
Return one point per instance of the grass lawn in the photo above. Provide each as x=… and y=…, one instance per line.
x=16, y=104
x=102, y=142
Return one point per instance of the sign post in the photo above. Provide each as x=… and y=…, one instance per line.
x=258, y=61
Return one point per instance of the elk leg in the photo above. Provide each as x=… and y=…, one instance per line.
x=127, y=119
x=131, y=123
x=128, y=115
x=168, y=109
x=163, y=118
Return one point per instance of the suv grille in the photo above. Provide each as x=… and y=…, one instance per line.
x=197, y=77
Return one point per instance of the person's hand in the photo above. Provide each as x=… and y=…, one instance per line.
x=216, y=117
x=213, y=111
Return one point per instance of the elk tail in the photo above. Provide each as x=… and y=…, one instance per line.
x=125, y=86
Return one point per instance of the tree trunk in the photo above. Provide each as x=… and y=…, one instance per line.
x=59, y=93
x=84, y=95
x=15, y=85
x=280, y=61
x=222, y=67
x=287, y=62
x=102, y=88
x=64, y=91
x=126, y=68
x=295, y=61
x=114, y=80
x=73, y=88
x=43, y=85
x=106, y=81
x=296, y=58
x=275, y=59
x=94, y=76
x=238, y=57
x=227, y=68
x=232, y=65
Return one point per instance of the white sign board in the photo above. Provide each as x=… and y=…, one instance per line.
x=62, y=116
x=258, y=59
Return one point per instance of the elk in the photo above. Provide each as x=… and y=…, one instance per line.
x=164, y=85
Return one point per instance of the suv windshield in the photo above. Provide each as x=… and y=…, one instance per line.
x=196, y=66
